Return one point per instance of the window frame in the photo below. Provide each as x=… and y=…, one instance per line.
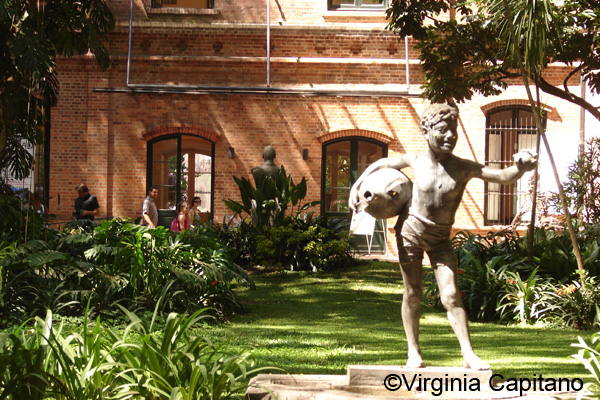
x=515, y=128
x=379, y=244
x=179, y=137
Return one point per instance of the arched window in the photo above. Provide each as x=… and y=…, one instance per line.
x=508, y=130
x=342, y=163
x=181, y=166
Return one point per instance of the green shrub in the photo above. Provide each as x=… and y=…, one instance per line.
x=574, y=304
x=589, y=356
x=482, y=264
x=582, y=189
x=239, y=237
x=144, y=361
x=267, y=204
x=305, y=244
x=498, y=283
x=524, y=299
x=119, y=263
x=552, y=253
x=270, y=237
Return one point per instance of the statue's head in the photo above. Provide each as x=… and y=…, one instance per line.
x=269, y=153
x=439, y=124
x=436, y=113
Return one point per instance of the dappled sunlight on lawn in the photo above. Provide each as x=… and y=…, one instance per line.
x=321, y=323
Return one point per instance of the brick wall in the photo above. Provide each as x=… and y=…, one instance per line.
x=101, y=138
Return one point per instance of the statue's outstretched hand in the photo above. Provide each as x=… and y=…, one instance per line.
x=526, y=160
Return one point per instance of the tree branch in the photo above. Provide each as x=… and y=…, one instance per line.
x=568, y=96
x=569, y=76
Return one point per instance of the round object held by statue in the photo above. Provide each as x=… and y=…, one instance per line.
x=384, y=193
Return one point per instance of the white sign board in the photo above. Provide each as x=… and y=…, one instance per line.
x=362, y=224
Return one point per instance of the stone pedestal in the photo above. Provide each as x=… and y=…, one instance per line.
x=384, y=382
x=449, y=378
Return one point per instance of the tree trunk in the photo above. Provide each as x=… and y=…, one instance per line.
x=538, y=121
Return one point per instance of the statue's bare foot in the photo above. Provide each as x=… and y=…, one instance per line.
x=415, y=361
x=471, y=361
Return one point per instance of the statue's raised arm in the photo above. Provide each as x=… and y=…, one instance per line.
x=525, y=160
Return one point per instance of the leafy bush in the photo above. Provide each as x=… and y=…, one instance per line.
x=589, y=356
x=524, y=300
x=20, y=222
x=118, y=263
x=144, y=361
x=574, y=304
x=270, y=237
x=582, y=188
x=498, y=283
x=482, y=263
x=234, y=236
x=267, y=204
x=552, y=253
x=306, y=244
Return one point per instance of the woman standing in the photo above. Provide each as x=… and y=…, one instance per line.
x=194, y=213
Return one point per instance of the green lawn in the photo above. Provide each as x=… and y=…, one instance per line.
x=320, y=323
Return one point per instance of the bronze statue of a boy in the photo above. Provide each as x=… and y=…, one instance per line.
x=439, y=182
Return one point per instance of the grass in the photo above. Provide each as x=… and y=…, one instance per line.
x=321, y=323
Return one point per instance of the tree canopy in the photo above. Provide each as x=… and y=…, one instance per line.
x=465, y=46
x=32, y=34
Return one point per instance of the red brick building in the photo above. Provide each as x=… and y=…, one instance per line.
x=197, y=88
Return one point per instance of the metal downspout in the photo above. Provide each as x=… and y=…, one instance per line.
x=129, y=45
x=407, y=64
x=268, y=43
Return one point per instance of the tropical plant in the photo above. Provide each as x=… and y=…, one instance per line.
x=119, y=263
x=233, y=235
x=497, y=282
x=589, y=356
x=146, y=360
x=175, y=365
x=33, y=34
x=306, y=244
x=524, y=301
x=267, y=204
x=574, y=304
x=482, y=265
x=145, y=255
x=296, y=240
x=583, y=184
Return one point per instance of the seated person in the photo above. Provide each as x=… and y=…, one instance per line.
x=180, y=222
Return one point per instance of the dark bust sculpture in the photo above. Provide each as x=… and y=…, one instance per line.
x=268, y=168
x=440, y=179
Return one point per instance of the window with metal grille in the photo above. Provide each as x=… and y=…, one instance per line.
x=357, y=4
x=508, y=131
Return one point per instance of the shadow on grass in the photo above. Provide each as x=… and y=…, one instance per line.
x=321, y=323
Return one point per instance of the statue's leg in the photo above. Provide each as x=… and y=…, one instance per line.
x=412, y=274
x=445, y=266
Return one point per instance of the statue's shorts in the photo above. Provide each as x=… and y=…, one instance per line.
x=417, y=235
